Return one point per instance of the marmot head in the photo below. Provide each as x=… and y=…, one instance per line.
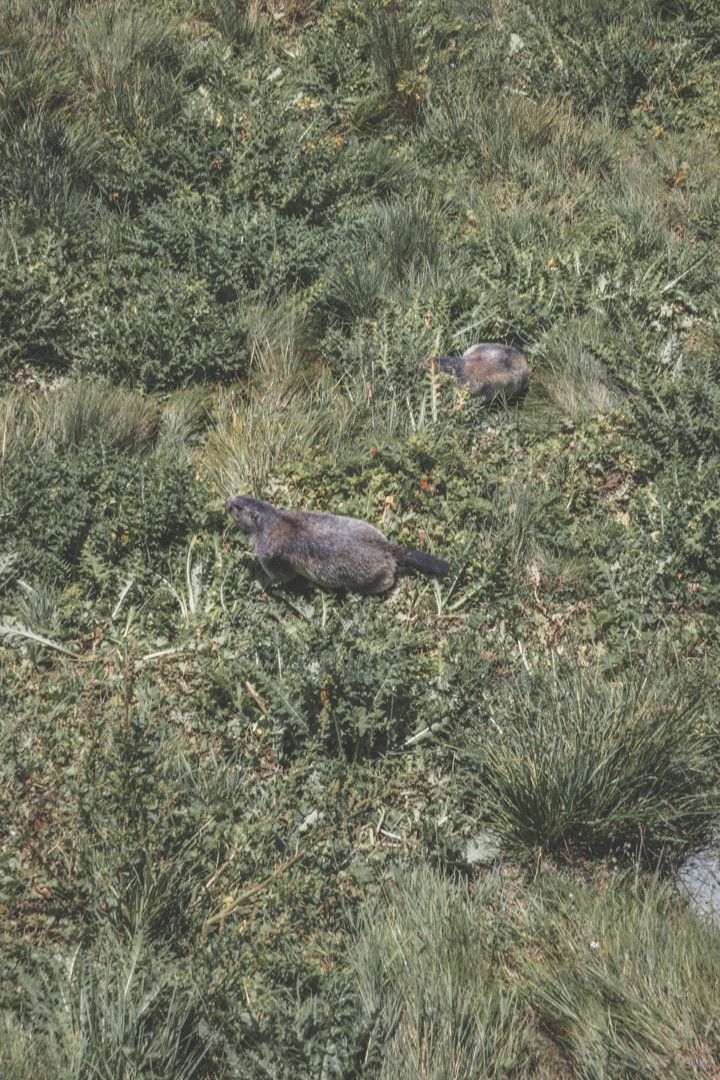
x=247, y=512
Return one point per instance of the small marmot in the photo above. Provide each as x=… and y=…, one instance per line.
x=331, y=551
x=489, y=370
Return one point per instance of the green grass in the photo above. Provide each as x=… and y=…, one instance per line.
x=595, y=765
x=253, y=832
x=431, y=990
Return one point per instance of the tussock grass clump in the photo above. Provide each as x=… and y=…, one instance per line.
x=396, y=240
x=508, y=134
x=280, y=416
x=256, y=432
x=402, y=232
x=427, y=977
x=15, y=426
x=85, y=409
x=391, y=39
x=239, y=21
x=576, y=383
x=291, y=411
x=185, y=414
x=32, y=79
x=626, y=981
x=591, y=766
x=124, y=54
x=354, y=290
x=126, y=1014
x=565, y=977
x=50, y=169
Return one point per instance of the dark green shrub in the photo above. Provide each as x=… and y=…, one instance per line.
x=37, y=277
x=680, y=416
x=352, y=683
x=165, y=332
x=92, y=498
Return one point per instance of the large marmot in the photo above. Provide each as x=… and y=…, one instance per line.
x=489, y=370
x=331, y=551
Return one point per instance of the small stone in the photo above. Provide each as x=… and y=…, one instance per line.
x=482, y=849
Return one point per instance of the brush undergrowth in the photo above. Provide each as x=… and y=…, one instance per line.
x=271, y=832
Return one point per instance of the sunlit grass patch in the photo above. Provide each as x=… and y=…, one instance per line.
x=185, y=414
x=83, y=409
x=81, y=1015
x=439, y=1002
x=625, y=980
x=577, y=384
x=601, y=977
x=507, y=134
x=280, y=416
x=291, y=411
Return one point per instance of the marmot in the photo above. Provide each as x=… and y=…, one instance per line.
x=331, y=551
x=489, y=370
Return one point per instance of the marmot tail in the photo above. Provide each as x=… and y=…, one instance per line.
x=420, y=560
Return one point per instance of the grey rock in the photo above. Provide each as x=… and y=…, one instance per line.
x=698, y=878
x=482, y=849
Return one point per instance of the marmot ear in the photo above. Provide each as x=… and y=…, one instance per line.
x=254, y=516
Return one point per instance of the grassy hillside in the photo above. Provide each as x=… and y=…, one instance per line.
x=279, y=833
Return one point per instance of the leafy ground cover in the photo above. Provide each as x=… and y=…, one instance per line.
x=280, y=833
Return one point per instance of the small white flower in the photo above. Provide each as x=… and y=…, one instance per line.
x=594, y=944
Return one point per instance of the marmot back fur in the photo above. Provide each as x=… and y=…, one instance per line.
x=489, y=370
x=331, y=551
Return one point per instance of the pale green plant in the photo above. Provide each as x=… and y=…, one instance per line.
x=121, y=1016
x=578, y=384
x=442, y=1008
x=81, y=409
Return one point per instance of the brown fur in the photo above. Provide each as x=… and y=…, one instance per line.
x=489, y=370
x=332, y=551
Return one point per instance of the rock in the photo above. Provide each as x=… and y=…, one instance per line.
x=482, y=849
x=698, y=878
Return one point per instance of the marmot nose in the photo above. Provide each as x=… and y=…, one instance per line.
x=230, y=503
